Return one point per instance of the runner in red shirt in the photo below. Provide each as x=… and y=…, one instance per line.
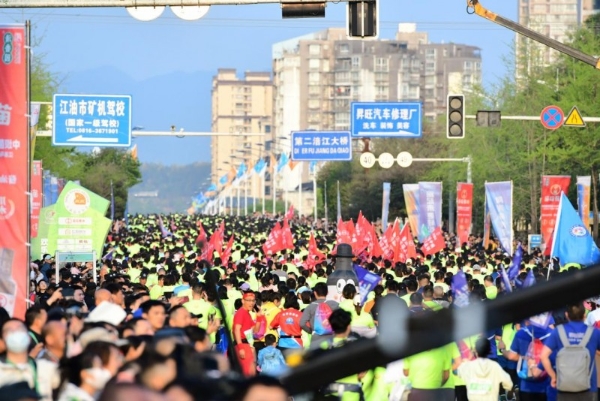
x=288, y=322
x=244, y=328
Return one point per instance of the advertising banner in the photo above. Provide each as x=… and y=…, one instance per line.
x=552, y=186
x=464, y=211
x=498, y=199
x=430, y=208
x=14, y=170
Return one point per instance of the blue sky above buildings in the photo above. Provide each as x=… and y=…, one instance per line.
x=167, y=64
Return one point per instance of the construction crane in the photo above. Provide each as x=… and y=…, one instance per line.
x=475, y=7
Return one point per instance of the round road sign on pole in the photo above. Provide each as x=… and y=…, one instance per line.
x=404, y=159
x=386, y=160
x=367, y=160
x=552, y=117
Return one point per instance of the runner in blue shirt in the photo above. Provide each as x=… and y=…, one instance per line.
x=575, y=329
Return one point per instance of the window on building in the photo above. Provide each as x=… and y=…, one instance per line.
x=355, y=76
x=314, y=63
x=381, y=91
x=314, y=89
x=313, y=77
x=381, y=64
x=430, y=67
x=342, y=118
x=343, y=76
x=314, y=49
x=344, y=48
x=468, y=65
x=355, y=62
x=313, y=103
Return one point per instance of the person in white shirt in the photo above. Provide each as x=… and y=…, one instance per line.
x=483, y=376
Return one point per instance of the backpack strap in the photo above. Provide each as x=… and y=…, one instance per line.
x=562, y=335
x=586, y=338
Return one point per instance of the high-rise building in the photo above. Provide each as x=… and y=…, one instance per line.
x=240, y=106
x=317, y=76
x=555, y=19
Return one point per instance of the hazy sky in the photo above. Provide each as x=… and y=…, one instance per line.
x=238, y=37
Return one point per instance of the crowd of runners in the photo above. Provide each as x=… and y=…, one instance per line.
x=178, y=296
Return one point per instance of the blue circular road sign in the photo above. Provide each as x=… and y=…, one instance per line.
x=552, y=117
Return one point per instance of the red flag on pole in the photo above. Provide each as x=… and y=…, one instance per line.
x=226, y=254
x=434, y=243
x=290, y=213
x=387, y=240
x=274, y=242
x=314, y=255
x=201, y=233
x=286, y=236
x=405, y=245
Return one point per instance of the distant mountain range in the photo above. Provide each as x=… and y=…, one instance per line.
x=175, y=185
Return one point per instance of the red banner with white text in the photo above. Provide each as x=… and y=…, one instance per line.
x=552, y=186
x=14, y=170
x=464, y=211
x=36, y=197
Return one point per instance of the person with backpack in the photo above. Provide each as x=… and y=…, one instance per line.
x=315, y=318
x=526, y=349
x=574, y=345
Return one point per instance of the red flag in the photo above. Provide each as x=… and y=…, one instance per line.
x=367, y=233
x=343, y=235
x=274, y=242
x=405, y=246
x=290, y=213
x=201, y=233
x=387, y=240
x=208, y=251
x=286, y=236
x=434, y=243
x=314, y=255
x=552, y=186
x=226, y=254
x=217, y=237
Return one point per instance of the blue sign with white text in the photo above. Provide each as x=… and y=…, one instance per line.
x=398, y=120
x=321, y=145
x=91, y=120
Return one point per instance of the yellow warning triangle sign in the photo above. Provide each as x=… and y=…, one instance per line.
x=574, y=119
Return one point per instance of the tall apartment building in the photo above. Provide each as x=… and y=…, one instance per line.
x=556, y=19
x=316, y=77
x=240, y=106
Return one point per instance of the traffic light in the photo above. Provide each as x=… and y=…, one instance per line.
x=455, y=128
x=361, y=17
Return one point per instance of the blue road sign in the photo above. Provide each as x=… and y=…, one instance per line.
x=321, y=146
x=552, y=117
x=535, y=241
x=91, y=120
x=398, y=120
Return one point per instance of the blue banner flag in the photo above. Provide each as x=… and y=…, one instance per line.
x=367, y=281
x=223, y=180
x=260, y=166
x=460, y=289
x=505, y=280
x=515, y=266
x=283, y=161
x=312, y=167
x=572, y=242
x=211, y=188
x=430, y=208
x=241, y=170
x=498, y=199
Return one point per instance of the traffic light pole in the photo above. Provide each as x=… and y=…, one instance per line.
x=532, y=118
x=467, y=160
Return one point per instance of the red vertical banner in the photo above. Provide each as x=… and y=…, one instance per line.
x=14, y=170
x=464, y=211
x=552, y=187
x=36, y=197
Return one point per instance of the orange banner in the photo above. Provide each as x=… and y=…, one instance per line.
x=464, y=212
x=552, y=187
x=14, y=170
x=36, y=197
